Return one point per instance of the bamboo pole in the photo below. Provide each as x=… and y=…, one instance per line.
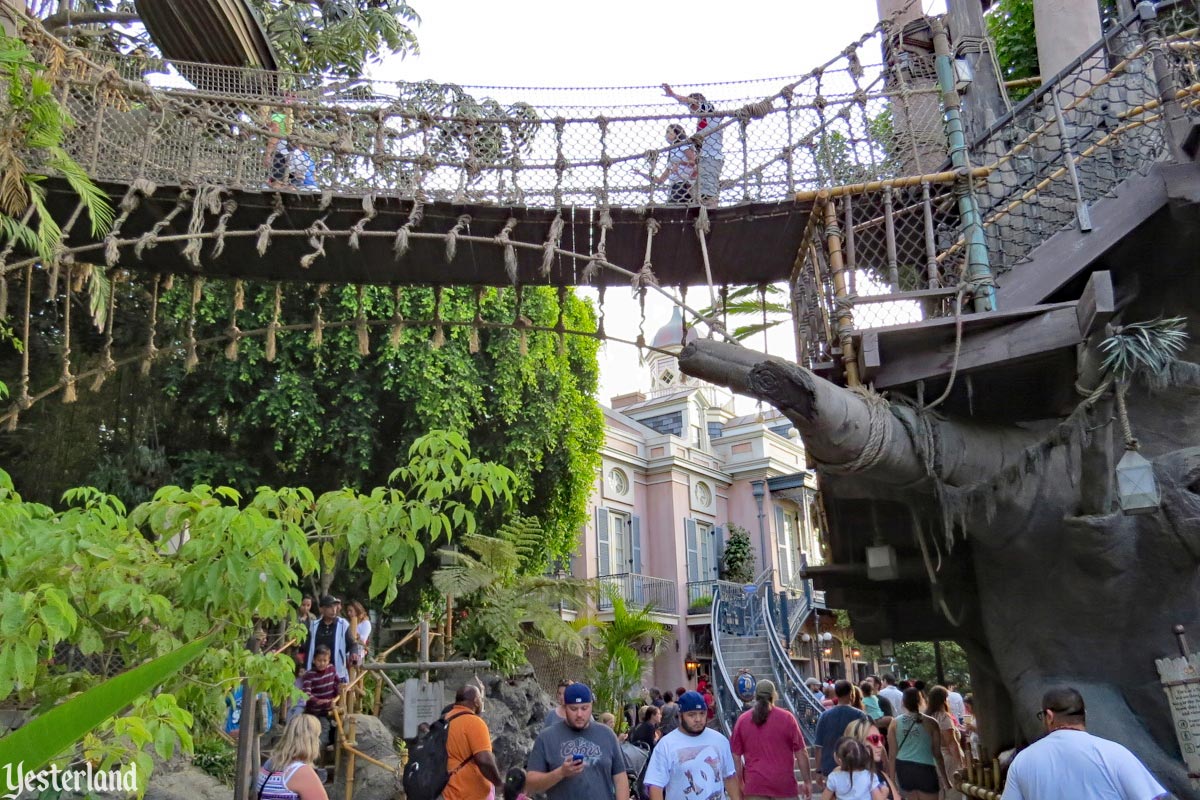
x=351, y=755
x=845, y=318
x=948, y=176
x=360, y=754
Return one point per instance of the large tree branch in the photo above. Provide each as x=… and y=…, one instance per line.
x=65, y=19
x=840, y=427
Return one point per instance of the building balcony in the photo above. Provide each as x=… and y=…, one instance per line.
x=700, y=594
x=638, y=591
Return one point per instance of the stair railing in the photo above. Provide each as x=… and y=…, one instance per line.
x=794, y=695
x=729, y=706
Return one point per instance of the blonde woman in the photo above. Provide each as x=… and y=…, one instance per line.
x=866, y=732
x=289, y=774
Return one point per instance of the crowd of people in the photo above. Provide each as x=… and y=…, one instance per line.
x=879, y=739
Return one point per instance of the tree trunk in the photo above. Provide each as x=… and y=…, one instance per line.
x=854, y=431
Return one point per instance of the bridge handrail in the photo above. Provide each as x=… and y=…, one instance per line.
x=795, y=695
x=728, y=704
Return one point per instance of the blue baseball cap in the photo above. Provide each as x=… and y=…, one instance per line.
x=692, y=701
x=577, y=693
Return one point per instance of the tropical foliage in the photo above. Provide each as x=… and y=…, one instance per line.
x=92, y=589
x=623, y=648
x=33, y=122
x=511, y=602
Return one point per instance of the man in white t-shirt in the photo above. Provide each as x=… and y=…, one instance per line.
x=1069, y=763
x=692, y=762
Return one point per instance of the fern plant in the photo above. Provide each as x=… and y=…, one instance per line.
x=507, y=606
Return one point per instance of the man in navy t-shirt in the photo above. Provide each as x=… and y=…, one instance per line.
x=832, y=725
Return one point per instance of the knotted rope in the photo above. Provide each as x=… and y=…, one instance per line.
x=264, y=230
x=463, y=223
x=208, y=201
x=149, y=239
x=439, y=333
x=128, y=204
x=360, y=325
x=879, y=434
x=151, y=348
x=233, y=331
x=400, y=246
x=192, y=358
x=601, y=255
x=368, y=205
x=227, y=209
x=318, y=324
x=397, y=321
x=316, y=239
x=273, y=325
x=645, y=276
x=477, y=322
x=107, y=364
x=68, y=379
x=504, y=238
x=552, y=240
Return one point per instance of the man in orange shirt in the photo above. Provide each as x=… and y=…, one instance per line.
x=469, y=760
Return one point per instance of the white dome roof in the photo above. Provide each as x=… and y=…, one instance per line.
x=671, y=334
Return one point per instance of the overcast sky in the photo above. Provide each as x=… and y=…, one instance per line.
x=552, y=43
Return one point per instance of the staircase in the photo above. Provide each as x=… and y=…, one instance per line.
x=750, y=653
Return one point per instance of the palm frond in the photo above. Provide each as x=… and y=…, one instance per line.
x=99, y=292
x=1149, y=347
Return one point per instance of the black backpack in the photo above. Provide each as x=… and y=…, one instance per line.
x=426, y=775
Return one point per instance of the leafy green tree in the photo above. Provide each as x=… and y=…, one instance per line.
x=509, y=602
x=91, y=589
x=620, y=662
x=917, y=660
x=327, y=416
x=334, y=37
x=1010, y=24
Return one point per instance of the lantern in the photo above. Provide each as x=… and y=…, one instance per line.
x=1137, y=491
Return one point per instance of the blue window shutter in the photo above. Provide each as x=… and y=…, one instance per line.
x=635, y=549
x=603, y=559
x=693, y=550
x=718, y=545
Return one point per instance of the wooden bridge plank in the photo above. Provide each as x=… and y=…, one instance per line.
x=748, y=244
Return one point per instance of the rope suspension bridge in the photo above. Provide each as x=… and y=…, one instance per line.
x=855, y=184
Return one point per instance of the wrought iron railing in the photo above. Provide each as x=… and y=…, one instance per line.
x=729, y=706
x=700, y=594
x=640, y=591
x=794, y=695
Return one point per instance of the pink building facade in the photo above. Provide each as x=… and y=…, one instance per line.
x=679, y=469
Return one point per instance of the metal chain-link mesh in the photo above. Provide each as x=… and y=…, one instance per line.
x=175, y=122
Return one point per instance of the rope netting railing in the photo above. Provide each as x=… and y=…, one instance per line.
x=900, y=245
x=251, y=130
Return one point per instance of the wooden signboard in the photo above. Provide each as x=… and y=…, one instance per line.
x=423, y=702
x=1181, y=681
